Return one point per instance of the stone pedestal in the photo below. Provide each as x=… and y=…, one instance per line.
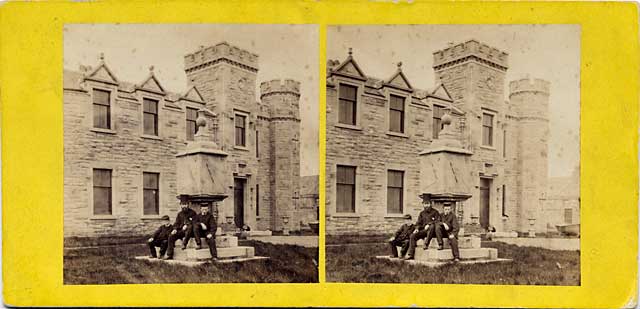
x=227, y=247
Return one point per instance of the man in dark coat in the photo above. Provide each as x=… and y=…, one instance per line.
x=401, y=237
x=160, y=238
x=184, y=222
x=205, y=226
x=426, y=227
x=449, y=228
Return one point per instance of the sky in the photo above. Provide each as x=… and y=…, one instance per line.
x=549, y=52
x=285, y=51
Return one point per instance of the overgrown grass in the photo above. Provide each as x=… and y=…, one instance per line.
x=530, y=266
x=117, y=265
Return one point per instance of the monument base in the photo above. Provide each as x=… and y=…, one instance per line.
x=226, y=247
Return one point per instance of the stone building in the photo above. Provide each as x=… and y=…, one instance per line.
x=121, y=140
x=381, y=134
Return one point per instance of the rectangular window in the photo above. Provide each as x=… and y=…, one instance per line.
x=257, y=146
x=504, y=143
x=568, y=216
x=438, y=112
x=192, y=129
x=257, y=200
x=101, y=191
x=151, y=193
x=487, y=129
x=150, y=112
x=394, y=191
x=346, y=189
x=240, y=130
x=396, y=114
x=347, y=101
x=504, y=200
x=101, y=109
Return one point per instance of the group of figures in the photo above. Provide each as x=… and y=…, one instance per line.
x=188, y=224
x=430, y=223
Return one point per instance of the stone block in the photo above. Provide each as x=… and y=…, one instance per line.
x=465, y=242
x=226, y=241
x=191, y=254
x=258, y=233
x=465, y=254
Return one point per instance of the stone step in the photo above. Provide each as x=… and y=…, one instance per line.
x=191, y=254
x=466, y=242
x=223, y=241
x=465, y=254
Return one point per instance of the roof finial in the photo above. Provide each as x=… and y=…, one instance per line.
x=151, y=69
x=101, y=57
x=399, y=65
x=350, y=51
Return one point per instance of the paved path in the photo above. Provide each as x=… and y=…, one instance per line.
x=304, y=241
x=547, y=243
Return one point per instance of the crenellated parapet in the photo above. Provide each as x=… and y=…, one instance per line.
x=529, y=85
x=470, y=50
x=221, y=52
x=277, y=86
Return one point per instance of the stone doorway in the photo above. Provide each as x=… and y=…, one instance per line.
x=485, y=201
x=238, y=201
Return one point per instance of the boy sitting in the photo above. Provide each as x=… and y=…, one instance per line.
x=401, y=237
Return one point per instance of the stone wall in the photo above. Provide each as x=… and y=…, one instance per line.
x=373, y=150
x=126, y=153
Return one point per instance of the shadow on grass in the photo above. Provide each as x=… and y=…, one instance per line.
x=530, y=266
x=117, y=265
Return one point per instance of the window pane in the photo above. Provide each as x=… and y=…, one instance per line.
x=487, y=120
x=346, y=112
x=395, y=121
x=568, y=218
x=150, y=106
x=101, y=178
x=191, y=130
x=101, y=116
x=150, y=124
x=394, y=200
x=151, y=202
x=192, y=113
x=345, y=198
x=101, y=97
x=257, y=200
x=346, y=175
x=348, y=92
x=394, y=178
x=150, y=180
x=240, y=121
x=101, y=201
x=397, y=103
x=437, y=124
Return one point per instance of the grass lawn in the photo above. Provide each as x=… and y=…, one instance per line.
x=530, y=266
x=116, y=265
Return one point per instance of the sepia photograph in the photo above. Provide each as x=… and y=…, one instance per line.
x=190, y=153
x=453, y=154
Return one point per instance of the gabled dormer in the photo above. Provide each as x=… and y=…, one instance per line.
x=398, y=80
x=151, y=84
x=440, y=92
x=349, y=68
x=193, y=95
x=101, y=73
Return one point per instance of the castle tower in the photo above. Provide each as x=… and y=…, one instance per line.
x=474, y=75
x=283, y=101
x=225, y=75
x=531, y=101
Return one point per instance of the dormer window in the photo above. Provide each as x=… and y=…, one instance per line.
x=150, y=116
x=347, y=104
x=101, y=109
x=396, y=113
x=192, y=129
x=438, y=112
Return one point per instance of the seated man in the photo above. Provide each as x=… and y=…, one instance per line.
x=206, y=226
x=183, y=223
x=401, y=238
x=425, y=225
x=449, y=228
x=160, y=238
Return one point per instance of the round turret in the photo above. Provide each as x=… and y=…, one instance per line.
x=282, y=97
